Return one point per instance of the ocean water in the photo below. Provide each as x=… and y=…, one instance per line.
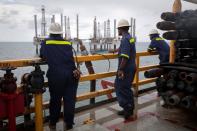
x=20, y=50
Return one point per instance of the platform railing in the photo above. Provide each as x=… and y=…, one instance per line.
x=88, y=95
x=89, y=77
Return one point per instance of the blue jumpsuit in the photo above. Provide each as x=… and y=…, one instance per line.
x=62, y=84
x=161, y=47
x=123, y=86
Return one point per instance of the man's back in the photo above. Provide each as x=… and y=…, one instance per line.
x=161, y=46
x=58, y=53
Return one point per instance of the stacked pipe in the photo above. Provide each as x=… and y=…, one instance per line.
x=176, y=87
x=177, y=82
x=181, y=27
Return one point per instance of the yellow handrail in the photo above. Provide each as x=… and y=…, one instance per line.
x=31, y=61
x=88, y=95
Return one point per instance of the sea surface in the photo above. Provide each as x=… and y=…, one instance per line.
x=21, y=50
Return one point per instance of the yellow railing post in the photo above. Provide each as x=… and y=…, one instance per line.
x=176, y=8
x=136, y=78
x=38, y=112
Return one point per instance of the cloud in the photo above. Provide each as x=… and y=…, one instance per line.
x=14, y=12
x=8, y=1
x=18, y=14
x=147, y=25
x=7, y=17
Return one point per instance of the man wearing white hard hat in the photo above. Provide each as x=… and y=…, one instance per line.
x=160, y=45
x=62, y=76
x=126, y=70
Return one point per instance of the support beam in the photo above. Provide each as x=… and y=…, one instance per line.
x=176, y=8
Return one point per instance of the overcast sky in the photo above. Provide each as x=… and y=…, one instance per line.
x=16, y=16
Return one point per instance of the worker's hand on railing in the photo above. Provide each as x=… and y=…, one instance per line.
x=151, y=49
x=120, y=74
x=77, y=73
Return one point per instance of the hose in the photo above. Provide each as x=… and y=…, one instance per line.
x=78, y=65
x=109, y=63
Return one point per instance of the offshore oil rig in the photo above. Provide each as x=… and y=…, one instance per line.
x=98, y=41
x=176, y=83
x=106, y=42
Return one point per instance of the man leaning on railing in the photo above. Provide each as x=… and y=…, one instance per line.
x=160, y=45
x=63, y=76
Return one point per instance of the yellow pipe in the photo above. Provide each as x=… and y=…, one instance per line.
x=176, y=8
x=30, y=61
x=96, y=57
x=97, y=76
x=136, y=78
x=38, y=112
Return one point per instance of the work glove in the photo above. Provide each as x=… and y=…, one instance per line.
x=77, y=73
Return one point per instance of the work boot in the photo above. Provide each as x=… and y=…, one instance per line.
x=52, y=127
x=67, y=127
x=121, y=113
x=128, y=114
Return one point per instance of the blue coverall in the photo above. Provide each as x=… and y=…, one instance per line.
x=62, y=84
x=123, y=86
x=161, y=47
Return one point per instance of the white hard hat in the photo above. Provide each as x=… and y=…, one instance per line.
x=55, y=28
x=153, y=31
x=123, y=23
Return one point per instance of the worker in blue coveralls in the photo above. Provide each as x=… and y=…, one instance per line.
x=126, y=70
x=160, y=45
x=63, y=76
